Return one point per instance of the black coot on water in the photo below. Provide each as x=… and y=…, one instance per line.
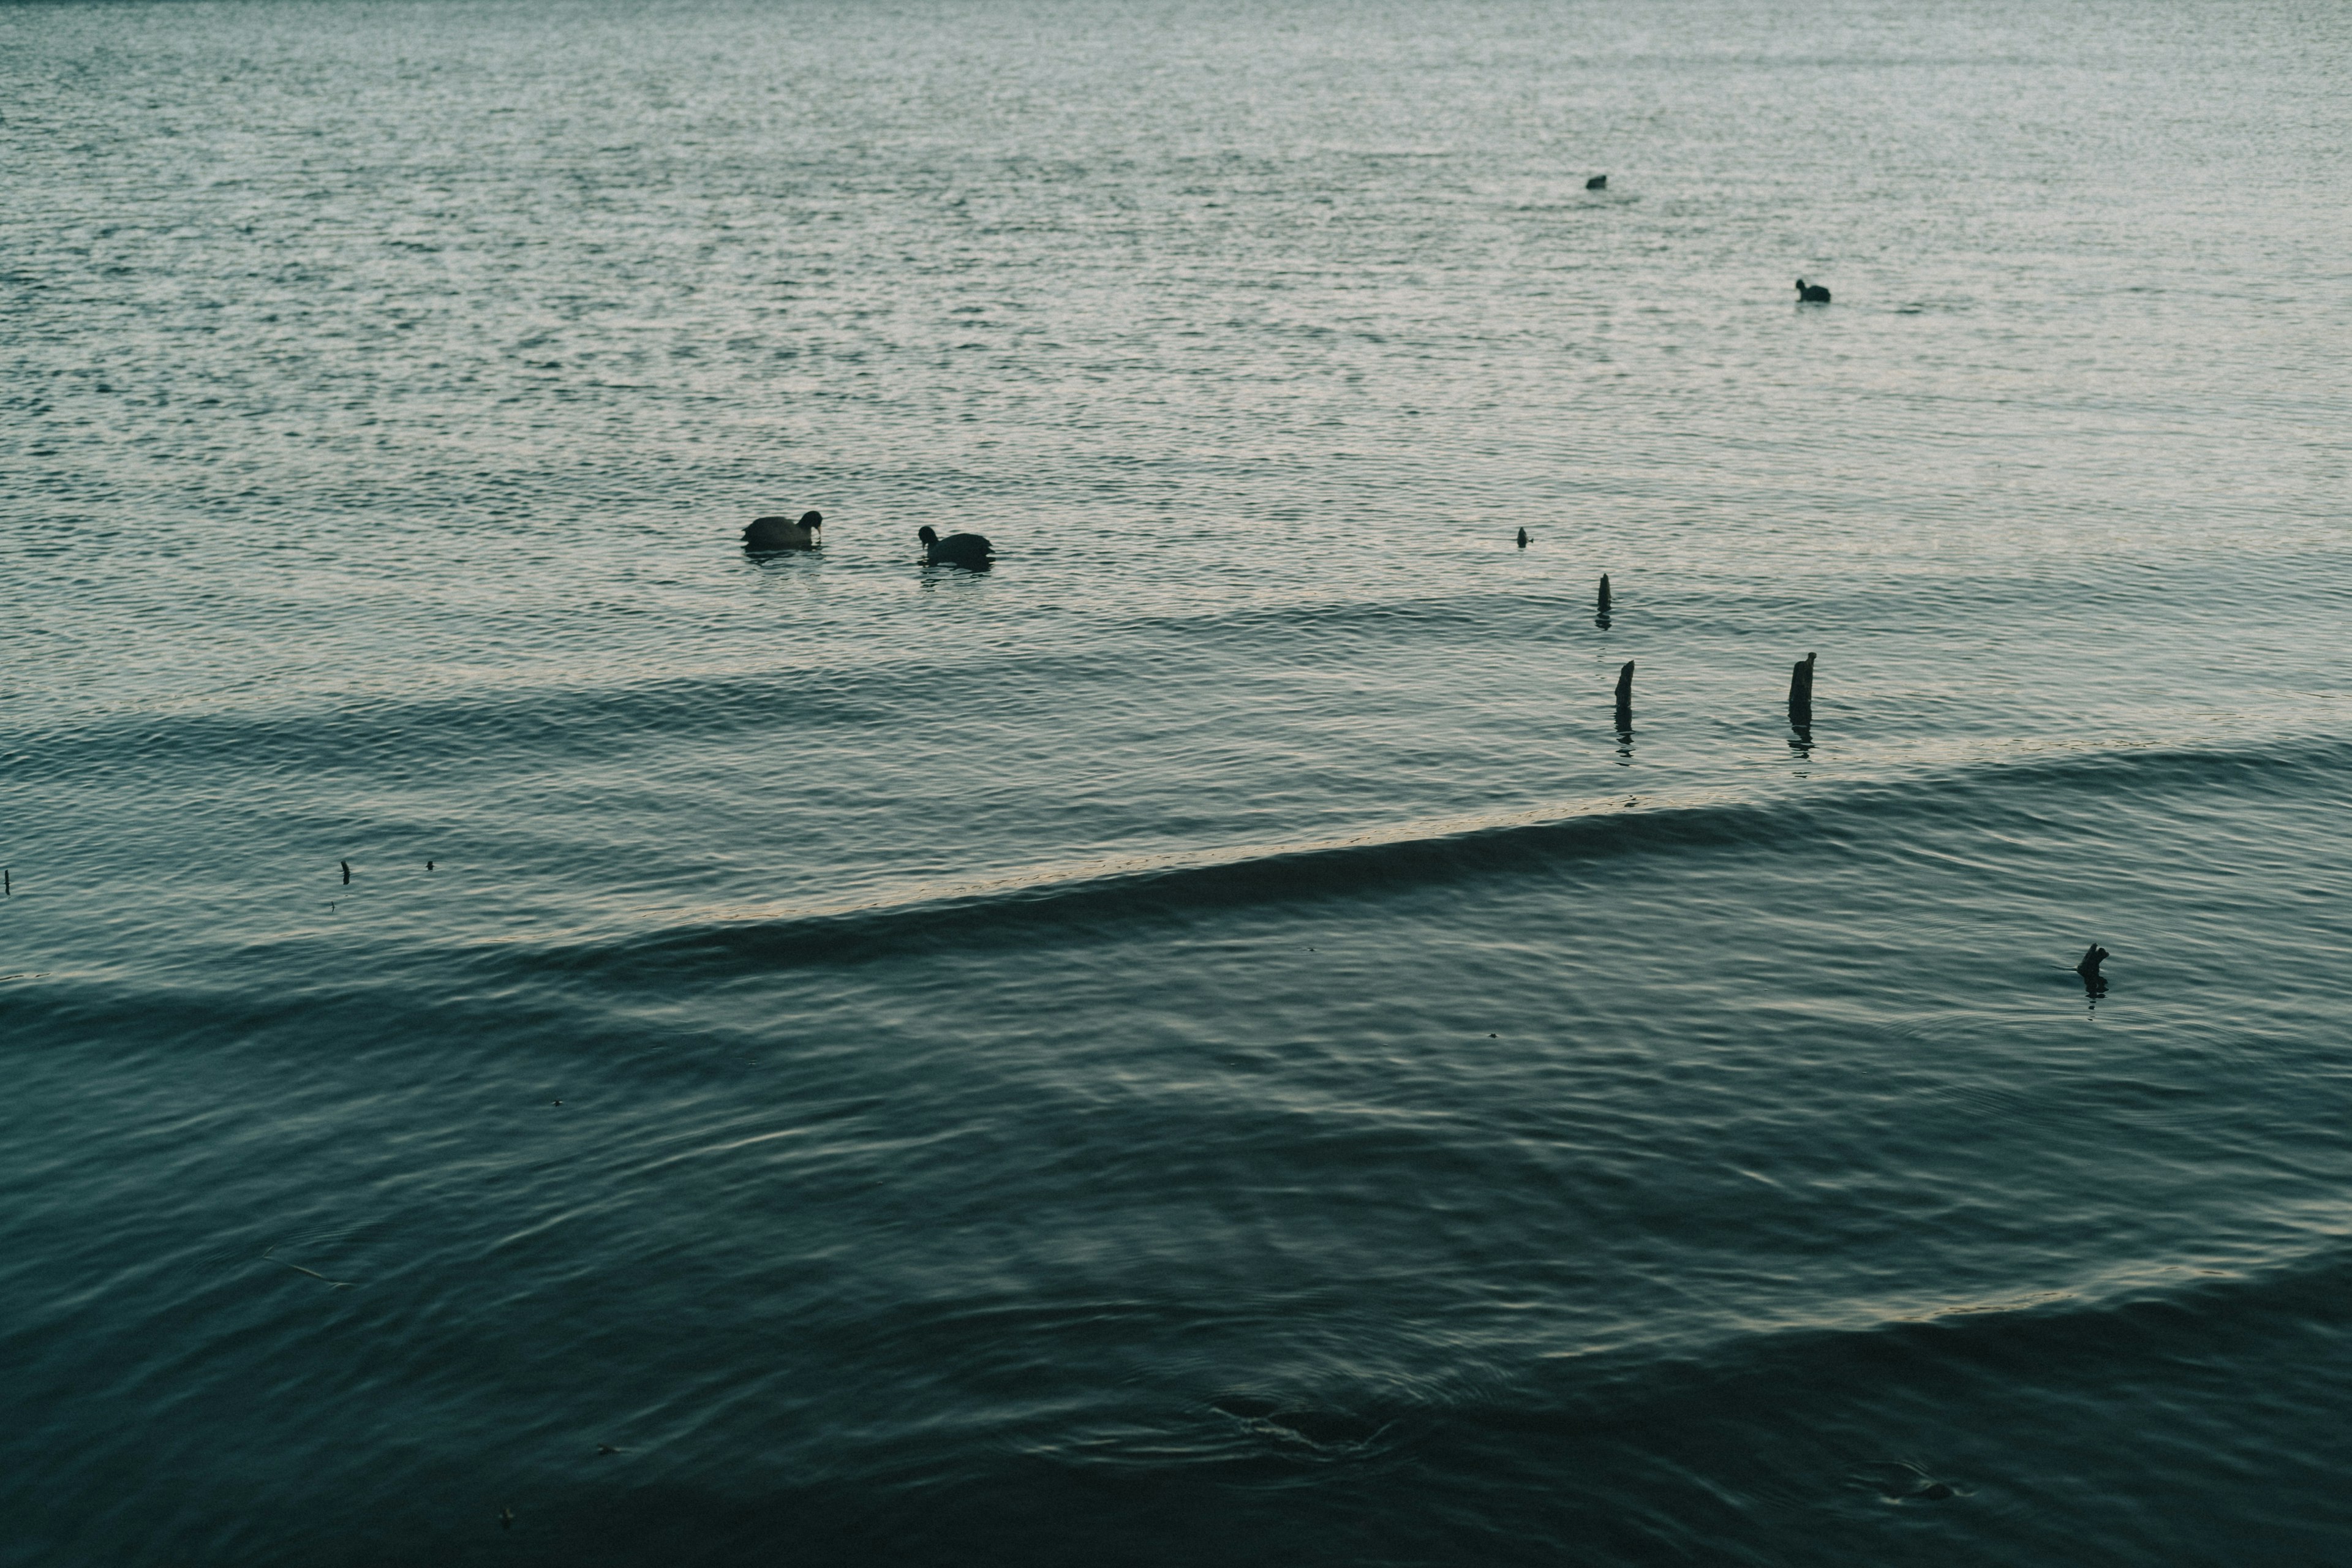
x=955, y=550
x=784, y=533
x=1812, y=293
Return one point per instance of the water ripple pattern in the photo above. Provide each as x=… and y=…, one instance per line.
x=535, y=1035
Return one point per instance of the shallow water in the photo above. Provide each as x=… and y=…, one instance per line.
x=1209, y=1039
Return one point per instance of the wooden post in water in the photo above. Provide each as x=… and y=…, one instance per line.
x=1604, y=594
x=1800, y=693
x=1625, y=696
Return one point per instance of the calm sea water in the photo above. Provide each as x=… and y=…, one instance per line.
x=1207, y=1042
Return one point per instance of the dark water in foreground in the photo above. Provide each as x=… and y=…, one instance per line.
x=1205, y=1043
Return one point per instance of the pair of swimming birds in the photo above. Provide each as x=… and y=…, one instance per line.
x=808, y=533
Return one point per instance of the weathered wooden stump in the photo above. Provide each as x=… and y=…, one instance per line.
x=2094, y=982
x=1800, y=693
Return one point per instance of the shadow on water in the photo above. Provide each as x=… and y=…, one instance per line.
x=773, y=560
x=931, y=576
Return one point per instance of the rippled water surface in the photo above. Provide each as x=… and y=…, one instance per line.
x=1212, y=1040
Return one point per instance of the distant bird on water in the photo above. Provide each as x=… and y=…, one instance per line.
x=1598, y=183
x=784, y=533
x=1812, y=293
x=1523, y=539
x=956, y=550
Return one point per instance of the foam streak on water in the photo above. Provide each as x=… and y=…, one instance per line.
x=1208, y=1041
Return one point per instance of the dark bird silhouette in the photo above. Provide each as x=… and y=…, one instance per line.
x=1523, y=539
x=1598, y=183
x=971, y=550
x=784, y=533
x=1812, y=293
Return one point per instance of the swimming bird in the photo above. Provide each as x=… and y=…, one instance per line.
x=1812, y=293
x=1523, y=539
x=784, y=533
x=1598, y=183
x=956, y=550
